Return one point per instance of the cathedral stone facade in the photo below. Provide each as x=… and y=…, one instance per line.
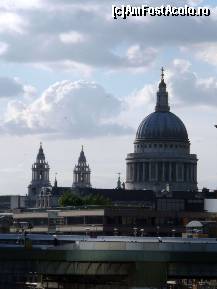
x=42, y=194
x=81, y=173
x=161, y=158
x=40, y=178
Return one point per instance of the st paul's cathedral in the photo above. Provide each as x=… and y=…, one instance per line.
x=161, y=161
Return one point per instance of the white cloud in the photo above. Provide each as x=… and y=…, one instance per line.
x=79, y=35
x=140, y=57
x=182, y=65
x=188, y=88
x=72, y=37
x=207, y=52
x=11, y=23
x=185, y=89
x=3, y=48
x=20, y=4
x=66, y=109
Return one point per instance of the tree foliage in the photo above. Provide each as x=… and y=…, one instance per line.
x=72, y=199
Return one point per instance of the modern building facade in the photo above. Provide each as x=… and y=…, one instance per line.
x=11, y=202
x=120, y=220
x=161, y=158
x=81, y=173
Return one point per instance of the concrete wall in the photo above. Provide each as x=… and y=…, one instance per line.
x=210, y=205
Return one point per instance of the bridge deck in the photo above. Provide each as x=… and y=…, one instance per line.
x=134, y=260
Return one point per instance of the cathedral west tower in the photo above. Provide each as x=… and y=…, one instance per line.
x=81, y=173
x=40, y=177
x=161, y=151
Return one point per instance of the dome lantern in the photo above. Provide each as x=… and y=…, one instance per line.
x=162, y=95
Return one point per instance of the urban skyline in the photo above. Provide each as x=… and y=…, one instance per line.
x=92, y=81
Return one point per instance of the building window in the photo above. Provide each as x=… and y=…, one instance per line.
x=170, y=205
x=75, y=220
x=93, y=220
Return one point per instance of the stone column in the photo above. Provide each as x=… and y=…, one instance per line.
x=192, y=168
x=127, y=172
x=133, y=176
x=143, y=173
x=149, y=168
x=187, y=172
x=177, y=176
x=170, y=171
x=156, y=171
x=134, y=172
x=182, y=172
x=163, y=171
x=137, y=171
x=130, y=171
x=191, y=173
x=195, y=173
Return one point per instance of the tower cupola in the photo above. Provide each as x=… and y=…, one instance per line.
x=81, y=173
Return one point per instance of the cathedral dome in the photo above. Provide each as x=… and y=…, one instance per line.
x=161, y=154
x=162, y=126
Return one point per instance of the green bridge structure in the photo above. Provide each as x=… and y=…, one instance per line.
x=115, y=262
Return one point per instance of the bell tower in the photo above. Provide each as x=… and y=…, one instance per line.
x=81, y=173
x=40, y=177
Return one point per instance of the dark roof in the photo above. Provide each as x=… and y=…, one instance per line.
x=58, y=191
x=162, y=126
x=120, y=195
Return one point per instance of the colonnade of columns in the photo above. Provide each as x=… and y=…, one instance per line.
x=44, y=201
x=162, y=171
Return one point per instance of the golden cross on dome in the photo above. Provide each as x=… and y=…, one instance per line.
x=162, y=73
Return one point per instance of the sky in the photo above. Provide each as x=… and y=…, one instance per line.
x=71, y=75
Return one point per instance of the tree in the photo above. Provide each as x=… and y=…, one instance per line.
x=70, y=199
x=97, y=199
